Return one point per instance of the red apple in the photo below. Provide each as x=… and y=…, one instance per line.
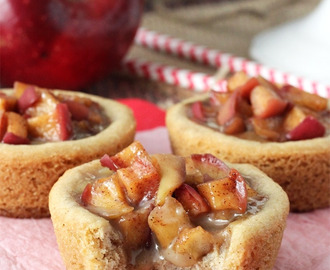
x=62, y=43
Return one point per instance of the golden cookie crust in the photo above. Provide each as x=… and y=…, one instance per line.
x=27, y=172
x=87, y=241
x=302, y=168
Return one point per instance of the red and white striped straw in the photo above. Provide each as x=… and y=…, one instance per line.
x=203, y=82
x=196, y=81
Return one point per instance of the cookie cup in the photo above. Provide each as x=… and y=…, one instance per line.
x=27, y=172
x=88, y=241
x=302, y=168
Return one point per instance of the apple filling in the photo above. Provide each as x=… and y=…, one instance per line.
x=256, y=109
x=168, y=207
x=36, y=115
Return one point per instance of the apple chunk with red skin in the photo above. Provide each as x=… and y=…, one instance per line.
x=228, y=110
x=309, y=128
x=266, y=102
x=106, y=198
x=53, y=126
x=226, y=193
x=167, y=220
x=3, y=124
x=191, y=200
x=138, y=173
x=210, y=166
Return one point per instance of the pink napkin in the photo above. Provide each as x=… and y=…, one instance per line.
x=31, y=244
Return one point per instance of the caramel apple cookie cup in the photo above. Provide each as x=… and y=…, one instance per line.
x=302, y=168
x=27, y=172
x=87, y=240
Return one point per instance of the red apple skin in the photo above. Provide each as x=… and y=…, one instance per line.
x=64, y=120
x=11, y=138
x=191, y=200
x=309, y=128
x=27, y=99
x=3, y=124
x=106, y=161
x=64, y=44
x=228, y=110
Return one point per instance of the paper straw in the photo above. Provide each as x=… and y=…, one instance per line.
x=217, y=59
x=196, y=81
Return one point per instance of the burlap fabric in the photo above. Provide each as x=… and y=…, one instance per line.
x=228, y=26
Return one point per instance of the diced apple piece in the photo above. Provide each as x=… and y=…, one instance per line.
x=268, y=84
x=44, y=127
x=236, y=80
x=196, y=242
x=266, y=103
x=197, y=111
x=226, y=193
x=293, y=118
x=219, y=98
x=17, y=124
x=19, y=88
x=210, y=165
x=266, y=128
x=63, y=117
x=234, y=126
x=141, y=180
x=172, y=173
x=7, y=103
x=126, y=157
x=246, y=89
x=78, y=111
x=244, y=108
x=134, y=228
x=167, y=220
x=106, y=198
x=228, y=110
x=53, y=126
x=3, y=124
x=46, y=103
x=28, y=98
x=191, y=200
x=106, y=161
x=11, y=138
x=309, y=128
x=303, y=98
x=193, y=175
x=86, y=195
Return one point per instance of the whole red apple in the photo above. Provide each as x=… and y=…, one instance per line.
x=65, y=44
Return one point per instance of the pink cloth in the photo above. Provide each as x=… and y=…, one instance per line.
x=31, y=244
